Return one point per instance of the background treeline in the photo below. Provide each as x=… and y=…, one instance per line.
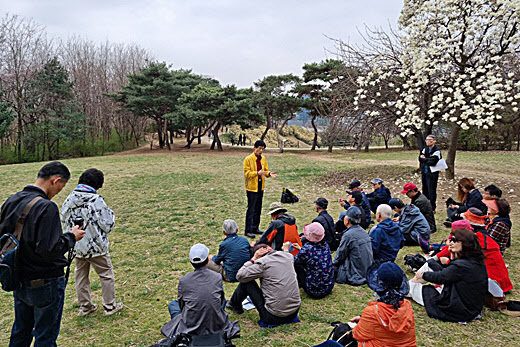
x=53, y=99
x=75, y=97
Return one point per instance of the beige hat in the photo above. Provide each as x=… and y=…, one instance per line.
x=275, y=207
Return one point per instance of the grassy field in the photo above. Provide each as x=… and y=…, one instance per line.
x=166, y=202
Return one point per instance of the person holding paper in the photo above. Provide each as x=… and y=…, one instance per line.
x=430, y=156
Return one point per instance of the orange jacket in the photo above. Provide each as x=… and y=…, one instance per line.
x=383, y=326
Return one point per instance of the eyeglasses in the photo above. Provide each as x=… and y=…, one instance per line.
x=454, y=239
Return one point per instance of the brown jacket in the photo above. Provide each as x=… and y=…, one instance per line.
x=277, y=281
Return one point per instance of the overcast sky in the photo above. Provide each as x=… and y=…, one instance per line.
x=234, y=41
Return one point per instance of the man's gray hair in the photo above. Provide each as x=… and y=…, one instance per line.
x=431, y=137
x=229, y=226
x=385, y=211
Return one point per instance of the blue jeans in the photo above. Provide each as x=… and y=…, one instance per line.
x=37, y=312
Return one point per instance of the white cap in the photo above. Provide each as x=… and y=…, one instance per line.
x=198, y=253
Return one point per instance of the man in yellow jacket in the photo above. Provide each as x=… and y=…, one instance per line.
x=255, y=173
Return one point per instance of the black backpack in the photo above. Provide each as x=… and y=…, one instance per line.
x=288, y=197
x=342, y=333
x=9, y=248
x=414, y=261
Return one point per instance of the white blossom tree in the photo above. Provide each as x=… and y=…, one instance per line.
x=452, y=65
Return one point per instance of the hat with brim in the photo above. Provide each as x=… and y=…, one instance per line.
x=491, y=205
x=314, y=232
x=276, y=207
x=388, y=275
x=474, y=217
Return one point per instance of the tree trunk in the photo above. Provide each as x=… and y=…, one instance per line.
x=19, y=138
x=189, y=139
x=421, y=141
x=159, y=133
x=386, y=142
x=315, y=139
x=330, y=148
x=279, y=140
x=366, y=147
x=452, y=151
x=199, y=141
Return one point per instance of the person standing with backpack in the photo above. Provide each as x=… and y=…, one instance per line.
x=93, y=250
x=38, y=300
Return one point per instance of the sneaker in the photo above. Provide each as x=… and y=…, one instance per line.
x=118, y=307
x=250, y=235
x=258, y=232
x=237, y=310
x=86, y=312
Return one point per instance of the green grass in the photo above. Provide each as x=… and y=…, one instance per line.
x=166, y=202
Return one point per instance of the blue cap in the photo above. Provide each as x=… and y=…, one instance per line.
x=395, y=202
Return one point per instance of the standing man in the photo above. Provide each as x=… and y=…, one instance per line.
x=38, y=302
x=430, y=156
x=85, y=202
x=255, y=173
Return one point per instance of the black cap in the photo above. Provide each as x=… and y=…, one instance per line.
x=358, y=197
x=354, y=184
x=322, y=203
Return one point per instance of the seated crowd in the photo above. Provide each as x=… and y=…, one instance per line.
x=285, y=261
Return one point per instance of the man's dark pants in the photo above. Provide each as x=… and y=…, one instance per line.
x=38, y=307
x=429, y=187
x=254, y=292
x=254, y=209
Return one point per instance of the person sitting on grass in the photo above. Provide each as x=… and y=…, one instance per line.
x=278, y=297
x=411, y=221
x=468, y=196
x=282, y=229
x=388, y=320
x=380, y=195
x=324, y=219
x=499, y=227
x=355, y=186
x=420, y=200
x=233, y=252
x=355, y=198
x=464, y=281
x=387, y=238
x=354, y=254
x=313, y=263
x=199, y=309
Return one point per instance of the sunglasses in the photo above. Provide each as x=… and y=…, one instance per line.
x=454, y=239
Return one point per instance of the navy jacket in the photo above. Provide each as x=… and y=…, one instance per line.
x=378, y=197
x=365, y=209
x=234, y=251
x=387, y=240
x=474, y=199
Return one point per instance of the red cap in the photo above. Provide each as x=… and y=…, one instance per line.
x=408, y=187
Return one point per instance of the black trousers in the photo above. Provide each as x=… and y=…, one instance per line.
x=429, y=187
x=254, y=209
x=452, y=214
x=252, y=290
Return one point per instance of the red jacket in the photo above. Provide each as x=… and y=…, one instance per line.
x=381, y=325
x=495, y=265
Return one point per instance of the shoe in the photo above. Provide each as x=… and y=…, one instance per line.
x=447, y=223
x=251, y=235
x=119, y=306
x=237, y=310
x=83, y=313
x=258, y=232
x=425, y=245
